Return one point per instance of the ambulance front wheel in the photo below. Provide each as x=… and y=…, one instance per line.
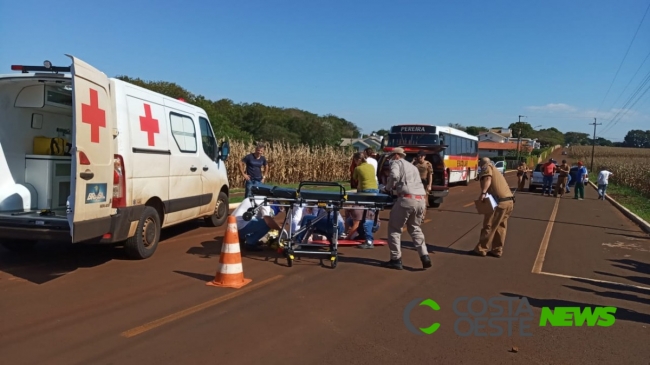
x=147, y=234
x=220, y=212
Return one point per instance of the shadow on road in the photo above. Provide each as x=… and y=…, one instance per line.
x=373, y=262
x=632, y=265
x=636, y=279
x=51, y=260
x=611, y=294
x=208, y=249
x=202, y=277
x=621, y=313
x=545, y=220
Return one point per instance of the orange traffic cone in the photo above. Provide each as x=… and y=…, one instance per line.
x=230, y=273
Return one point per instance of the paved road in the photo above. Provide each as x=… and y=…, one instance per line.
x=89, y=305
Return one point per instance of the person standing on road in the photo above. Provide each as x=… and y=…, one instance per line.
x=371, y=158
x=603, y=181
x=522, y=169
x=254, y=169
x=364, y=174
x=548, y=172
x=581, y=176
x=426, y=172
x=495, y=225
x=408, y=209
x=562, y=178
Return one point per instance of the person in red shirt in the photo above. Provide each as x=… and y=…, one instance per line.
x=548, y=171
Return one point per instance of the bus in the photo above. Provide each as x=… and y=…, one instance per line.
x=452, y=153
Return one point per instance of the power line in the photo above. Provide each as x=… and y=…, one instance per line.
x=625, y=108
x=624, y=57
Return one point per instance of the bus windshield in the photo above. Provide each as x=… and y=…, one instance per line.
x=412, y=135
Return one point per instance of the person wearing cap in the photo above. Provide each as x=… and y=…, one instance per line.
x=426, y=171
x=495, y=225
x=408, y=209
x=562, y=178
x=579, y=189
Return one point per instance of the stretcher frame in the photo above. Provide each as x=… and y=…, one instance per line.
x=331, y=202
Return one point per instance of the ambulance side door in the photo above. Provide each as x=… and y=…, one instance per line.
x=91, y=186
x=211, y=177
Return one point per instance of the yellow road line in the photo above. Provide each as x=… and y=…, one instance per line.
x=468, y=205
x=541, y=254
x=186, y=312
x=427, y=220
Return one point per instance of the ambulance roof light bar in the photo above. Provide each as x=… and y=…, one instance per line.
x=47, y=66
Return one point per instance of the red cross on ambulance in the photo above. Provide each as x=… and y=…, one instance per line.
x=94, y=116
x=149, y=125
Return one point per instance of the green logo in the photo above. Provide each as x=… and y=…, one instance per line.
x=576, y=316
x=407, y=316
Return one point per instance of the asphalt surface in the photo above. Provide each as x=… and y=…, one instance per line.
x=66, y=304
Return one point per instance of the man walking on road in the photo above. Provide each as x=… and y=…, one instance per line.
x=579, y=189
x=563, y=171
x=603, y=181
x=495, y=225
x=408, y=209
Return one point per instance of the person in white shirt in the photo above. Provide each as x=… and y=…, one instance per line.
x=603, y=181
x=251, y=232
x=370, y=158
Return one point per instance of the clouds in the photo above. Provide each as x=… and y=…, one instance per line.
x=553, y=108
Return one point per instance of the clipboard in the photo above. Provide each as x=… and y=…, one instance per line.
x=485, y=206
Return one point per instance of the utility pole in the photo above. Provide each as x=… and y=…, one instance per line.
x=593, y=144
x=519, y=137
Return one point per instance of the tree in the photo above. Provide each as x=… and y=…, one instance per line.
x=475, y=131
x=549, y=137
x=576, y=138
x=457, y=126
x=637, y=138
x=527, y=130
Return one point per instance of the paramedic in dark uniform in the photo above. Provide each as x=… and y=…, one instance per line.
x=408, y=209
x=495, y=225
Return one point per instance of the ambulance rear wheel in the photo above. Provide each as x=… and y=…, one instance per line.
x=220, y=212
x=147, y=235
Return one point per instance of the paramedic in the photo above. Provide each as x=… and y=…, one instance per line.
x=562, y=178
x=426, y=171
x=495, y=225
x=254, y=169
x=408, y=210
x=251, y=232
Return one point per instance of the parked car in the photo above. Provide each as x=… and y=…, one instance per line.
x=573, y=172
x=537, y=179
x=499, y=165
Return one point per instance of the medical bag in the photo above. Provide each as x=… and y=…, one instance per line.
x=51, y=146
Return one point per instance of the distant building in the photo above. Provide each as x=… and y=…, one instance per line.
x=492, y=137
x=494, y=149
x=505, y=132
x=360, y=144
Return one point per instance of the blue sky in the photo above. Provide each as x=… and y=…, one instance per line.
x=374, y=63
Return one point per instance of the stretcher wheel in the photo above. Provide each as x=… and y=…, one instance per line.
x=289, y=259
x=248, y=216
x=333, y=261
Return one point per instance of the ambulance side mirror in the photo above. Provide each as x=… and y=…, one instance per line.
x=224, y=151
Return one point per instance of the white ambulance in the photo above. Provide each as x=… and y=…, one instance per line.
x=87, y=158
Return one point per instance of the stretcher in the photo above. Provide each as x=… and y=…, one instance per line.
x=329, y=201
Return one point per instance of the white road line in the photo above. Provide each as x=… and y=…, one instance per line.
x=595, y=280
x=541, y=254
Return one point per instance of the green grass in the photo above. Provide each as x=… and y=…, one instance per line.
x=628, y=197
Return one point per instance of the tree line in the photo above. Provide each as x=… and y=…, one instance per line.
x=552, y=136
x=258, y=122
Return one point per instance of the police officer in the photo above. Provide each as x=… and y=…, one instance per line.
x=426, y=171
x=495, y=225
x=562, y=178
x=408, y=209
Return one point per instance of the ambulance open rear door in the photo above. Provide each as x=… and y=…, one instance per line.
x=91, y=187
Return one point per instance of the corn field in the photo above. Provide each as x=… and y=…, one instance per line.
x=631, y=166
x=291, y=164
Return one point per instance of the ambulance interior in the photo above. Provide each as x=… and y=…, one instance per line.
x=35, y=137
